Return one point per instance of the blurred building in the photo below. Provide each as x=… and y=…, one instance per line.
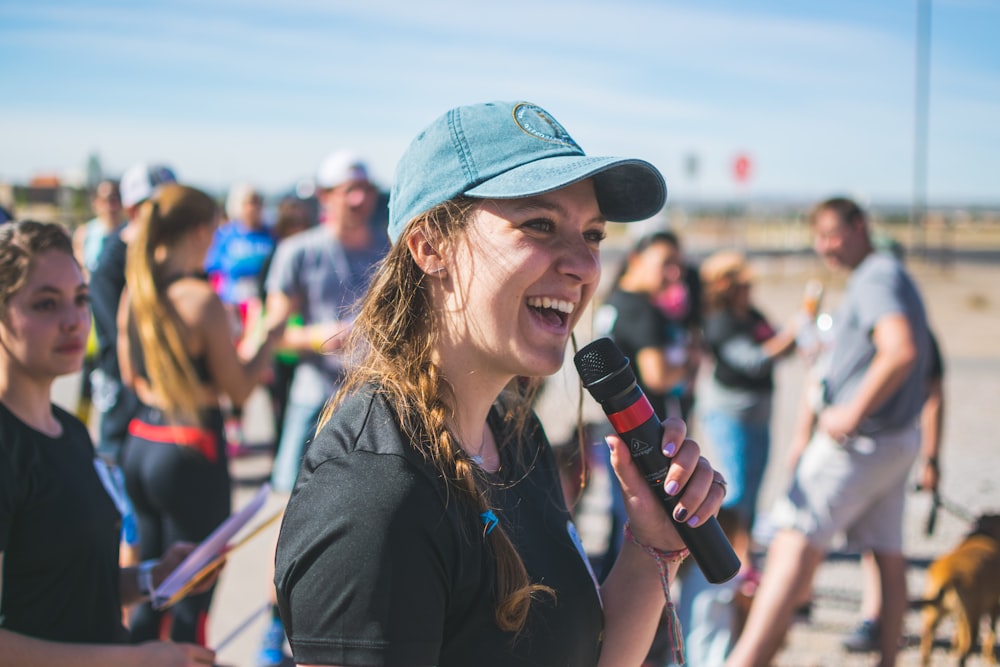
x=47, y=199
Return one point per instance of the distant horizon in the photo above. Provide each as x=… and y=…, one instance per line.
x=738, y=195
x=711, y=201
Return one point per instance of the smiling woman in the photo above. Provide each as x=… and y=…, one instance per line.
x=61, y=589
x=428, y=525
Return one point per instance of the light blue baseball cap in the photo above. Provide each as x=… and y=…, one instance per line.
x=508, y=150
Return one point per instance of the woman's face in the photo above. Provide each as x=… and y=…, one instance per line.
x=43, y=332
x=741, y=294
x=252, y=211
x=657, y=266
x=519, y=280
x=349, y=205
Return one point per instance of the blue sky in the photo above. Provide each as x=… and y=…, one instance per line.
x=820, y=95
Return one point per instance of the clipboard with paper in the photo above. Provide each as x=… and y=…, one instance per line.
x=210, y=553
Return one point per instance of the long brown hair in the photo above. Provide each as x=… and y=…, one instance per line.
x=20, y=243
x=174, y=211
x=390, y=347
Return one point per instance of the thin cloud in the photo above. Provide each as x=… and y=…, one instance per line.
x=803, y=89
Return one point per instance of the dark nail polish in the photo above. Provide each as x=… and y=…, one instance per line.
x=680, y=513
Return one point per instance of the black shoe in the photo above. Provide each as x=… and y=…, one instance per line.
x=863, y=639
x=803, y=613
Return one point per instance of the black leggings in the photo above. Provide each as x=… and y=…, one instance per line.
x=180, y=493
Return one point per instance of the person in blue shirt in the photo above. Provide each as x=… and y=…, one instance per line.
x=239, y=250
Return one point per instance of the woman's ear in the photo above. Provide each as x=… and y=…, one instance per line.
x=425, y=253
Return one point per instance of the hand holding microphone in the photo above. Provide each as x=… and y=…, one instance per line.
x=606, y=374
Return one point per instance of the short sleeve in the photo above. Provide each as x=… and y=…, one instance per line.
x=281, y=276
x=639, y=328
x=364, y=560
x=882, y=295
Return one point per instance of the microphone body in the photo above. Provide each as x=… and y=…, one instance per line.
x=606, y=374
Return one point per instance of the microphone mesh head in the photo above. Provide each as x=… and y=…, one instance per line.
x=598, y=360
x=604, y=370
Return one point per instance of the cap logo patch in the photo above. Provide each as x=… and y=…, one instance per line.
x=537, y=122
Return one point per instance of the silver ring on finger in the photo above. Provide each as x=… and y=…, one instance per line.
x=721, y=481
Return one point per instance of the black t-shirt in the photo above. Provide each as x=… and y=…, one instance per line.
x=748, y=367
x=106, y=285
x=636, y=323
x=378, y=564
x=59, y=534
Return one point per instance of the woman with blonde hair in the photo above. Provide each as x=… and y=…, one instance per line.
x=177, y=352
x=428, y=525
x=61, y=587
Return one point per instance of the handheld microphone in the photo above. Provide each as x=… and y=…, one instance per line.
x=606, y=374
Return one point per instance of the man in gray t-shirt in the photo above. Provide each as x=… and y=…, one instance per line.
x=321, y=274
x=879, y=290
x=851, y=477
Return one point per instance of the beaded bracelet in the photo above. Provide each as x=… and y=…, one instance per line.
x=663, y=559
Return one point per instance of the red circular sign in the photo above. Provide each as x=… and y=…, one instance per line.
x=741, y=168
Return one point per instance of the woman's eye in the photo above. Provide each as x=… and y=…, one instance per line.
x=595, y=235
x=44, y=305
x=540, y=224
x=82, y=300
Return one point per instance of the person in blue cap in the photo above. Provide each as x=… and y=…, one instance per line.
x=427, y=525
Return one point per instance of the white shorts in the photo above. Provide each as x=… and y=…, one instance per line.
x=856, y=489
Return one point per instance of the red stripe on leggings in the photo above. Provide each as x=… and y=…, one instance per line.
x=186, y=436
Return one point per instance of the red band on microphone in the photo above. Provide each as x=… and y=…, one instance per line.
x=634, y=415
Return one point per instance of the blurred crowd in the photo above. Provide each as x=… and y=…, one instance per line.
x=197, y=303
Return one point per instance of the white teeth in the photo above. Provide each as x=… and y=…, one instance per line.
x=555, y=304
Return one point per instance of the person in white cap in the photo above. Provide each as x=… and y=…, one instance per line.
x=107, y=280
x=88, y=240
x=320, y=274
x=116, y=403
x=239, y=249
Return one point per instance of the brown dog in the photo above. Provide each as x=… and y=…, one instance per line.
x=966, y=583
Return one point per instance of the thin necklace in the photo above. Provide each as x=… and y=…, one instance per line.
x=478, y=458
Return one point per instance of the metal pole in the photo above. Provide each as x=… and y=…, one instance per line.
x=918, y=207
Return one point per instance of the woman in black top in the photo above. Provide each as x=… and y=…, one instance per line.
x=427, y=526
x=62, y=588
x=177, y=353
x=736, y=401
x=640, y=328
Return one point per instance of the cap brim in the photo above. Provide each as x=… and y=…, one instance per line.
x=627, y=190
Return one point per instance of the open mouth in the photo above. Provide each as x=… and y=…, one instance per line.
x=553, y=311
